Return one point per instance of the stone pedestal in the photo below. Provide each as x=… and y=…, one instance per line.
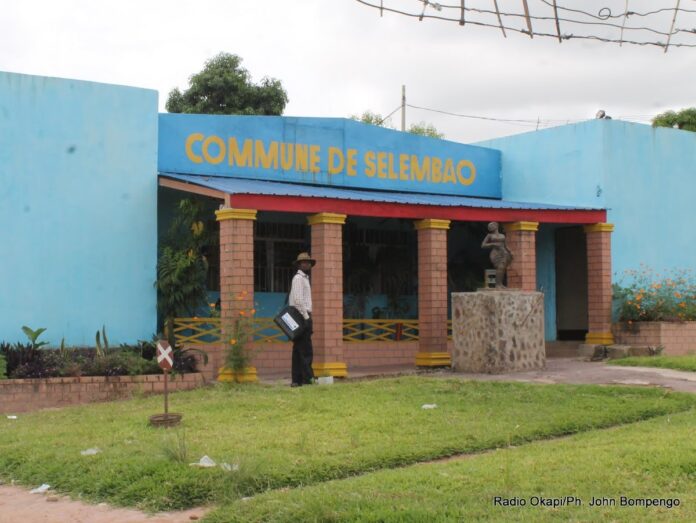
x=496, y=331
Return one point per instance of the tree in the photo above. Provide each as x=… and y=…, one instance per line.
x=224, y=87
x=425, y=129
x=684, y=119
x=182, y=267
x=420, y=128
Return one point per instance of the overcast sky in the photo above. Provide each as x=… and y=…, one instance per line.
x=339, y=57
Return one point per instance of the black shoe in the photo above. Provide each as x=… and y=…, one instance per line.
x=295, y=385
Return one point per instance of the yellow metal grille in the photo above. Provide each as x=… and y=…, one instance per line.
x=198, y=331
x=364, y=330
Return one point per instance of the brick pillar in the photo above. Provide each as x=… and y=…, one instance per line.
x=327, y=294
x=520, y=238
x=599, y=283
x=432, y=293
x=236, y=265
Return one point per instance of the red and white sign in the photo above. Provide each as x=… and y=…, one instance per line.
x=165, y=355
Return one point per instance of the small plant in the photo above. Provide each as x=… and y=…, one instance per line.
x=102, y=349
x=239, y=332
x=33, y=336
x=3, y=367
x=656, y=351
x=175, y=448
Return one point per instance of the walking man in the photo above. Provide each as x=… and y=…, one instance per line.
x=301, y=299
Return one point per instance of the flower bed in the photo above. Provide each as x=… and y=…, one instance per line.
x=23, y=395
x=656, y=310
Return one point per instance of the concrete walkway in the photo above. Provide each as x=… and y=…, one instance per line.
x=558, y=370
x=576, y=371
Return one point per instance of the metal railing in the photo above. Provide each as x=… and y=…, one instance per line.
x=198, y=331
x=363, y=330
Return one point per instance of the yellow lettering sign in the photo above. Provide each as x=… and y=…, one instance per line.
x=472, y=172
x=221, y=149
x=301, y=157
x=370, y=169
x=314, y=158
x=266, y=158
x=239, y=158
x=195, y=137
x=351, y=162
x=336, y=160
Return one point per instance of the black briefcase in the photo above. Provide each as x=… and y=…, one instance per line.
x=290, y=321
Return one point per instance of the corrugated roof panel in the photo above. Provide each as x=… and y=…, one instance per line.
x=242, y=186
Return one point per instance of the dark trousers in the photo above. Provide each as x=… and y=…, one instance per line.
x=302, y=355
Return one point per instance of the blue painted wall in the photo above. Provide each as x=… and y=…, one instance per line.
x=644, y=177
x=562, y=165
x=78, y=204
x=651, y=196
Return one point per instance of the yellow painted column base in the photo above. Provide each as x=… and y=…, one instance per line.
x=248, y=375
x=337, y=369
x=599, y=338
x=433, y=359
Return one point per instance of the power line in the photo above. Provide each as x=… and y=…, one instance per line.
x=526, y=122
x=577, y=20
x=387, y=117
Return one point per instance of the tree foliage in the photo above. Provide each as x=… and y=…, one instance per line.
x=425, y=129
x=684, y=119
x=182, y=267
x=225, y=87
x=420, y=128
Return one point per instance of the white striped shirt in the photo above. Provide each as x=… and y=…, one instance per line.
x=301, y=294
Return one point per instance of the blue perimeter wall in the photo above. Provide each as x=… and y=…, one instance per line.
x=78, y=204
x=645, y=177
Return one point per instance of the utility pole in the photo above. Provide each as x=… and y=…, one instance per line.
x=403, y=107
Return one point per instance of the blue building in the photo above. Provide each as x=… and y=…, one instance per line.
x=88, y=170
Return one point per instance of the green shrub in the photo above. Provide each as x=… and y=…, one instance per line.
x=3, y=367
x=121, y=363
x=45, y=364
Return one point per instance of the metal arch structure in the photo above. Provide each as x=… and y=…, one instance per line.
x=617, y=22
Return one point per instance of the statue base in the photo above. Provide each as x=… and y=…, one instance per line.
x=498, y=330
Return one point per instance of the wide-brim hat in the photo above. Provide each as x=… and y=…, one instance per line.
x=304, y=256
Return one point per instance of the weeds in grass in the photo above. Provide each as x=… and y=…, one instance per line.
x=303, y=441
x=175, y=448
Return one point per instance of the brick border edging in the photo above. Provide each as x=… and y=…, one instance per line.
x=25, y=395
x=677, y=338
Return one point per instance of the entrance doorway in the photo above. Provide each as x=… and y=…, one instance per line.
x=571, y=284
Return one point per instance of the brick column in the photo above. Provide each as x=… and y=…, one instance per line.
x=432, y=293
x=520, y=238
x=599, y=283
x=236, y=265
x=327, y=294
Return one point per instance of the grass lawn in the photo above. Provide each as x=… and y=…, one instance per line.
x=281, y=437
x=650, y=459
x=667, y=362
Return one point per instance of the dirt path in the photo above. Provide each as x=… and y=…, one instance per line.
x=18, y=505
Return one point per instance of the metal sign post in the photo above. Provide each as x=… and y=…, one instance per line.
x=165, y=359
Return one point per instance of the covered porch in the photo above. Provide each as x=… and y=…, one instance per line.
x=346, y=344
